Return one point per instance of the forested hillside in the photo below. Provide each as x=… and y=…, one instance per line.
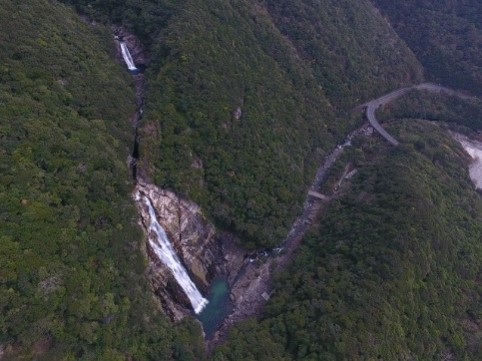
x=244, y=98
x=146, y=18
x=353, y=53
x=72, y=275
x=446, y=36
x=391, y=272
x=436, y=107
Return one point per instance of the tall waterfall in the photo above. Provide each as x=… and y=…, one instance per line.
x=163, y=249
x=127, y=57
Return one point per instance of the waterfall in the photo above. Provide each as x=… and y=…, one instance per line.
x=163, y=249
x=127, y=57
x=474, y=149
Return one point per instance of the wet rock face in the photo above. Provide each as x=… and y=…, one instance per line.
x=473, y=147
x=172, y=299
x=140, y=57
x=137, y=50
x=204, y=253
x=191, y=235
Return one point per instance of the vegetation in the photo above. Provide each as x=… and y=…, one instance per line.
x=241, y=106
x=446, y=36
x=353, y=53
x=72, y=280
x=435, y=107
x=245, y=97
x=144, y=17
x=392, y=270
x=243, y=100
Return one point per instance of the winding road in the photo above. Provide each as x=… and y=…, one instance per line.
x=252, y=288
x=373, y=105
x=251, y=291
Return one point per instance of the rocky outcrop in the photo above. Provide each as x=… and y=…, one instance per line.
x=136, y=48
x=473, y=148
x=205, y=253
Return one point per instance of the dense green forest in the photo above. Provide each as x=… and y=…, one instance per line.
x=239, y=113
x=435, y=107
x=446, y=36
x=355, y=56
x=391, y=271
x=146, y=18
x=244, y=98
x=72, y=280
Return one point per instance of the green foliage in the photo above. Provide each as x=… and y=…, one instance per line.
x=354, y=54
x=144, y=17
x=436, y=107
x=446, y=36
x=72, y=282
x=244, y=98
x=215, y=57
x=288, y=71
x=262, y=346
x=392, y=270
x=253, y=169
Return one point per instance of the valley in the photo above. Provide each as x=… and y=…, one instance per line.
x=214, y=182
x=251, y=287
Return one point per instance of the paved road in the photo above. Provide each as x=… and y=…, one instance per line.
x=256, y=278
x=373, y=105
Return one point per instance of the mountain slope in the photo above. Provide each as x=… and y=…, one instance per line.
x=243, y=100
x=392, y=270
x=241, y=106
x=352, y=51
x=71, y=281
x=445, y=35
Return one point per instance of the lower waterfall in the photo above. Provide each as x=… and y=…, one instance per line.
x=164, y=250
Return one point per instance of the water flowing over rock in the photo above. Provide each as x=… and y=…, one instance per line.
x=199, y=254
x=160, y=244
x=127, y=57
x=474, y=149
x=203, y=253
x=140, y=58
x=137, y=50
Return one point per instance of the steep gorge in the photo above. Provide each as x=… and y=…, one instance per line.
x=241, y=104
x=180, y=243
x=193, y=239
x=204, y=253
x=71, y=282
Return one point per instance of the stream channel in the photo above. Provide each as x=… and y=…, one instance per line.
x=219, y=305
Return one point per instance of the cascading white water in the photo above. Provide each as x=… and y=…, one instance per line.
x=127, y=57
x=163, y=249
x=474, y=149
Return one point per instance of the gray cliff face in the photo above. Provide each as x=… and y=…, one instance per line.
x=136, y=48
x=205, y=253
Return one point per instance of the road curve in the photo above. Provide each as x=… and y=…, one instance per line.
x=256, y=278
x=373, y=105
